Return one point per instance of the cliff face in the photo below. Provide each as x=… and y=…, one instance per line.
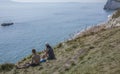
x=114, y=20
x=112, y=5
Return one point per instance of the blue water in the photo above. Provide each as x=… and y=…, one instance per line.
x=37, y=23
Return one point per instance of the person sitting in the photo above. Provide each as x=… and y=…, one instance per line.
x=34, y=61
x=35, y=58
x=49, y=52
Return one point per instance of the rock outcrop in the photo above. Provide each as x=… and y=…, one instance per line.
x=114, y=20
x=112, y=5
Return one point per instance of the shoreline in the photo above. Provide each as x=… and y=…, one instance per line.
x=87, y=30
x=100, y=26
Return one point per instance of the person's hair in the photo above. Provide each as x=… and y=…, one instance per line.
x=48, y=46
x=33, y=51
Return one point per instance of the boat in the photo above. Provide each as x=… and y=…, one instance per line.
x=6, y=24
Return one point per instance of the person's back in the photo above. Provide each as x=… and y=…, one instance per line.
x=50, y=52
x=36, y=59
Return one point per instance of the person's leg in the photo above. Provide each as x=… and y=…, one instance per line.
x=33, y=65
x=26, y=65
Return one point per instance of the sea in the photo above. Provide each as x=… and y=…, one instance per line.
x=38, y=23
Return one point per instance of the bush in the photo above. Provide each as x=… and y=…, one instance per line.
x=6, y=67
x=59, y=45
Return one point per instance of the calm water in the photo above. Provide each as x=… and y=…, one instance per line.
x=38, y=23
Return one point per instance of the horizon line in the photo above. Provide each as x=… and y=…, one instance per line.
x=57, y=1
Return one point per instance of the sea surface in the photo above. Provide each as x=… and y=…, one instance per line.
x=38, y=23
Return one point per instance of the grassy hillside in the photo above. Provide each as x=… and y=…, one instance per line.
x=96, y=51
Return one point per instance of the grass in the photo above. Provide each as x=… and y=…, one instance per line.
x=103, y=58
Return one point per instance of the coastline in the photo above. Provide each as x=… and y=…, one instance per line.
x=27, y=33
x=103, y=25
x=93, y=29
x=92, y=40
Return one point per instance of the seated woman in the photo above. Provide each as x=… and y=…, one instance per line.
x=49, y=52
x=34, y=61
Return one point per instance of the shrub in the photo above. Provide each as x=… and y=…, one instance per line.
x=59, y=45
x=6, y=67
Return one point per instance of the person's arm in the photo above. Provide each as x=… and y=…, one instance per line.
x=46, y=52
x=32, y=59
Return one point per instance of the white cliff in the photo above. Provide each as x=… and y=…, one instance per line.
x=112, y=5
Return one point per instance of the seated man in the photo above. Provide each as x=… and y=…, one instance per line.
x=34, y=61
x=35, y=58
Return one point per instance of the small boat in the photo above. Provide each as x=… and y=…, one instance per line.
x=6, y=24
